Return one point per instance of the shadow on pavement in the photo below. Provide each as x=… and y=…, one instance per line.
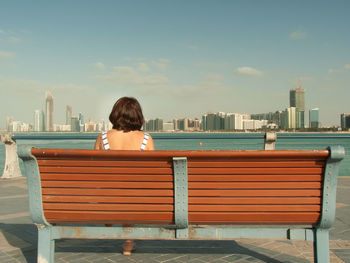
x=24, y=237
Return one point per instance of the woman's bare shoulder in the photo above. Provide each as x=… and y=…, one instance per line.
x=150, y=144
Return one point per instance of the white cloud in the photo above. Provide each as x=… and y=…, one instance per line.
x=2, y=31
x=129, y=76
x=299, y=34
x=161, y=64
x=22, y=85
x=339, y=70
x=14, y=39
x=100, y=65
x=249, y=71
x=143, y=67
x=6, y=54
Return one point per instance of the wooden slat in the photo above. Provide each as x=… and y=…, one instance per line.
x=101, y=163
x=96, y=154
x=123, y=170
x=194, y=217
x=108, y=177
x=163, y=163
x=108, y=207
x=110, y=217
x=191, y=178
x=255, y=192
x=259, y=159
x=108, y=184
x=256, y=164
x=107, y=192
x=256, y=200
x=254, y=218
x=192, y=208
x=105, y=170
x=254, y=208
x=191, y=185
x=108, y=199
x=192, y=200
x=203, y=193
x=255, y=171
x=253, y=185
x=254, y=178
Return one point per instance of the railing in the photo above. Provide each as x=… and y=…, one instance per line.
x=13, y=170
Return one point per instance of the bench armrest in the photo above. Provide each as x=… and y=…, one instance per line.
x=34, y=185
x=331, y=172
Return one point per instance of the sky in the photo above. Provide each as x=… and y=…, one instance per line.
x=178, y=58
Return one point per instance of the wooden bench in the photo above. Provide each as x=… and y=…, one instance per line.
x=182, y=195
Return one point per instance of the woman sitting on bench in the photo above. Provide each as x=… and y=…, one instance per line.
x=127, y=119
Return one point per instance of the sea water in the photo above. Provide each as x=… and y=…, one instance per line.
x=197, y=141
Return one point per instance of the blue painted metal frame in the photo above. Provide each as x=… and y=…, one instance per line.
x=34, y=184
x=46, y=244
x=181, y=196
x=321, y=232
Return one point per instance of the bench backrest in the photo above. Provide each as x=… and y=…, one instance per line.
x=224, y=187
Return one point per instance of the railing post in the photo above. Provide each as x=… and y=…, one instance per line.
x=270, y=140
x=11, y=169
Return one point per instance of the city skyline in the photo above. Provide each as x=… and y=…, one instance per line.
x=231, y=56
x=292, y=118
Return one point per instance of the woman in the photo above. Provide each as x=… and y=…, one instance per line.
x=127, y=119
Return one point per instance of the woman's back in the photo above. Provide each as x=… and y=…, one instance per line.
x=120, y=140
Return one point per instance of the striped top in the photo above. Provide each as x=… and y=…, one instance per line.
x=107, y=147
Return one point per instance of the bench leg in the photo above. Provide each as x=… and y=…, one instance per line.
x=46, y=245
x=128, y=247
x=321, y=245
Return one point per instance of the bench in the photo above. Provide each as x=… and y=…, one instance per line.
x=281, y=194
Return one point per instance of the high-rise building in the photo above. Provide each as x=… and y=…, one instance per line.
x=182, y=124
x=154, y=125
x=233, y=121
x=297, y=100
x=345, y=121
x=9, y=124
x=49, y=112
x=68, y=114
x=81, y=122
x=75, y=125
x=314, y=121
x=39, y=121
x=168, y=126
x=81, y=118
x=292, y=118
x=210, y=122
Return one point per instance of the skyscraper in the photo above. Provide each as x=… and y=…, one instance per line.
x=68, y=114
x=297, y=100
x=49, y=112
x=292, y=118
x=39, y=124
x=345, y=121
x=314, y=121
x=75, y=126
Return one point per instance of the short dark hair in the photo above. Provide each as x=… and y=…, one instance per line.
x=126, y=115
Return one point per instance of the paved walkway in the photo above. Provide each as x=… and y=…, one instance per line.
x=18, y=239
